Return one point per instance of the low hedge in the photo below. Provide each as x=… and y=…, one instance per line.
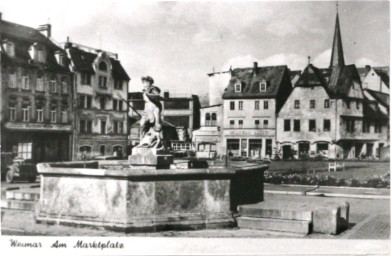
x=327, y=180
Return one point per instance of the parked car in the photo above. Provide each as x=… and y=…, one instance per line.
x=20, y=169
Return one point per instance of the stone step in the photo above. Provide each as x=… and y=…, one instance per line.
x=272, y=210
x=18, y=205
x=23, y=194
x=281, y=225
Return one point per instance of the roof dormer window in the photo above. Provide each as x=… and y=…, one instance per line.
x=102, y=66
x=238, y=87
x=40, y=56
x=10, y=49
x=263, y=86
x=60, y=58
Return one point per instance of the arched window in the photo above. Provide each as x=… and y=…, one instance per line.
x=85, y=149
x=207, y=119
x=214, y=119
x=102, y=66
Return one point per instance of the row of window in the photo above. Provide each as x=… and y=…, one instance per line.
x=258, y=87
x=180, y=146
x=256, y=105
x=102, y=81
x=85, y=126
x=327, y=104
x=39, y=86
x=311, y=125
x=256, y=123
x=26, y=115
x=85, y=101
x=210, y=119
x=350, y=126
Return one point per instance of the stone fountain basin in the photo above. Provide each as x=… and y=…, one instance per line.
x=146, y=199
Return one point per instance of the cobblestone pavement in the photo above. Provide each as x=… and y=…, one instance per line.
x=369, y=219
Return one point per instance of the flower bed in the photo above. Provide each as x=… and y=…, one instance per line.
x=375, y=181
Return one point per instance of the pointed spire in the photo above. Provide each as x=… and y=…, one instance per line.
x=337, y=59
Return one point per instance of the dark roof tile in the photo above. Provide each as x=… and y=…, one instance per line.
x=250, y=80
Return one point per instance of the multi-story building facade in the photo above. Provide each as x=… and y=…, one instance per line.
x=101, y=91
x=327, y=113
x=207, y=139
x=181, y=111
x=251, y=101
x=36, y=86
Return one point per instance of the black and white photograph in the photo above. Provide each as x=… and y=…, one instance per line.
x=194, y=127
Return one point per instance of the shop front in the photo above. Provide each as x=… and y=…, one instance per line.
x=38, y=145
x=206, y=142
x=249, y=143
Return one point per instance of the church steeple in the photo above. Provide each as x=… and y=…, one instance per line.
x=337, y=59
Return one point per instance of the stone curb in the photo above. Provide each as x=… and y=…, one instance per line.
x=312, y=192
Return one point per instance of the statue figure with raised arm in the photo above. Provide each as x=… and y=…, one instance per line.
x=151, y=125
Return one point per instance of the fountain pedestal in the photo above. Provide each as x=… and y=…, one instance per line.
x=151, y=158
x=146, y=199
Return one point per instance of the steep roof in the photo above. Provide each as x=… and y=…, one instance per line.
x=23, y=38
x=371, y=111
x=340, y=79
x=83, y=62
x=24, y=33
x=310, y=77
x=382, y=98
x=293, y=73
x=383, y=72
x=384, y=75
x=250, y=79
x=337, y=58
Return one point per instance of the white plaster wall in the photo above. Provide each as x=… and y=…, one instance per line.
x=217, y=83
x=304, y=114
x=249, y=114
x=373, y=82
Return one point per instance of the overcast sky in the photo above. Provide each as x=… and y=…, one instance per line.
x=178, y=43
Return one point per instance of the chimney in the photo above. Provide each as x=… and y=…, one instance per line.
x=255, y=68
x=47, y=28
x=166, y=94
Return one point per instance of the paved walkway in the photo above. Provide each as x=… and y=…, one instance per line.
x=369, y=219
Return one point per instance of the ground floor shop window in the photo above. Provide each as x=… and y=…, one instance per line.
x=233, y=146
x=322, y=148
x=304, y=148
x=24, y=150
x=255, y=147
x=206, y=147
x=287, y=152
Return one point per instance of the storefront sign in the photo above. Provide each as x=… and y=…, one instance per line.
x=38, y=127
x=249, y=133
